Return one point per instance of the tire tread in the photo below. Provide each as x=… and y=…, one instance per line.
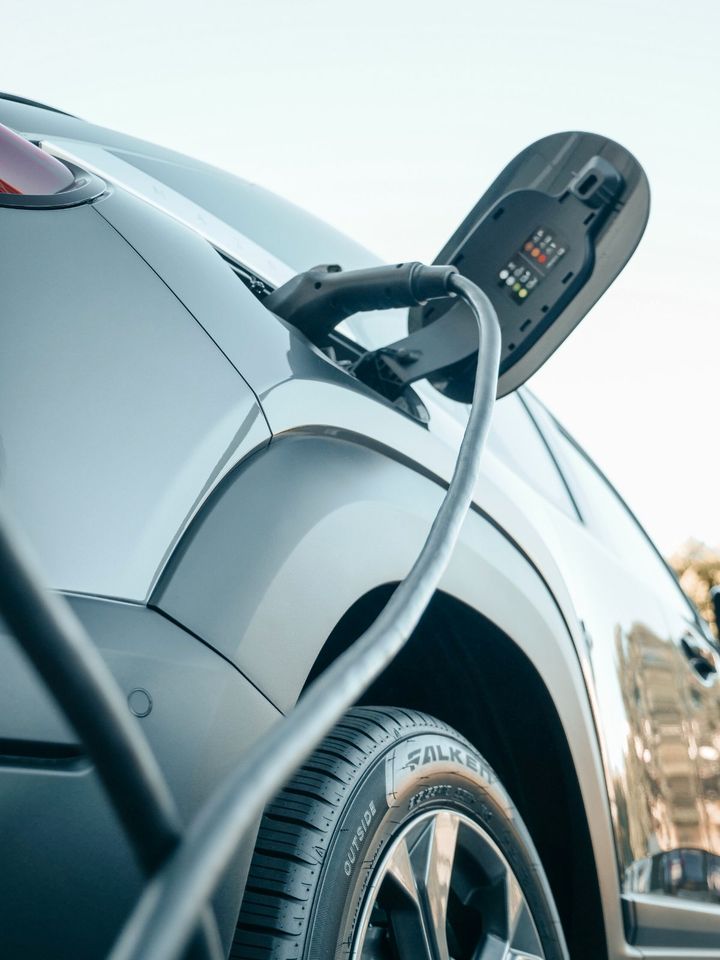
x=297, y=828
x=291, y=845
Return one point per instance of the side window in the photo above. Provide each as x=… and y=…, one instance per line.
x=516, y=441
x=615, y=526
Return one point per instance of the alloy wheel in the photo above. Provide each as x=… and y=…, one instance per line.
x=445, y=891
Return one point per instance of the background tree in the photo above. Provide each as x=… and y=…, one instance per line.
x=698, y=568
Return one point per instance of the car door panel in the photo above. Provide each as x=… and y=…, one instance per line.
x=658, y=716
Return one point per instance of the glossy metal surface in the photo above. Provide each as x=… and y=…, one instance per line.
x=670, y=779
x=654, y=679
x=111, y=168
x=117, y=411
x=652, y=676
x=444, y=890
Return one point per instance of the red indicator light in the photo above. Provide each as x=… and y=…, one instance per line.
x=28, y=170
x=542, y=258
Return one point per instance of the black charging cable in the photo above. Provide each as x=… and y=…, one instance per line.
x=168, y=911
x=56, y=644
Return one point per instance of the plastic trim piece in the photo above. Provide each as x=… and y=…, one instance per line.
x=655, y=920
x=14, y=98
x=86, y=691
x=85, y=188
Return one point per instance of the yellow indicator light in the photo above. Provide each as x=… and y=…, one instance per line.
x=522, y=293
x=516, y=287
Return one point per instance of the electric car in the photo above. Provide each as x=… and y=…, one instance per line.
x=227, y=500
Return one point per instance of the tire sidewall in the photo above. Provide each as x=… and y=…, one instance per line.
x=415, y=774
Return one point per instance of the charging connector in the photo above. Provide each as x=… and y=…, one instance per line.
x=167, y=913
x=318, y=300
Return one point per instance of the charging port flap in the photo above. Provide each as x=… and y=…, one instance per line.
x=544, y=242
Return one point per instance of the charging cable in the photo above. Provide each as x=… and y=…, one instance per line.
x=170, y=907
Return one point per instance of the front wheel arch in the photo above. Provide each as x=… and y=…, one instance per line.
x=462, y=669
x=396, y=810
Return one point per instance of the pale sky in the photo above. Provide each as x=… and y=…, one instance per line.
x=389, y=120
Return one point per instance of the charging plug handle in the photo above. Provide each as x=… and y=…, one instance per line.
x=318, y=300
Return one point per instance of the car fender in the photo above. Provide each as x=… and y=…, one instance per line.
x=302, y=529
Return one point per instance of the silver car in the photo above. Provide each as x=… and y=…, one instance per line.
x=226, y=507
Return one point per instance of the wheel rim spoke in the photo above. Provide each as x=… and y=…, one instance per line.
x=404, y=907
x=400, y=869
x=492, y=948
x=515, y=904
x=432, y=856
x=523, y=940
x=445, y=891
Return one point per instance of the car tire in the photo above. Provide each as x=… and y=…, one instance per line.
x=395, y=841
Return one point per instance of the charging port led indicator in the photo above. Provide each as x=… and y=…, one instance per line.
x=540, y=252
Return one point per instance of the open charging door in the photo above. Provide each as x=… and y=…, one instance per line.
x=544, y=243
